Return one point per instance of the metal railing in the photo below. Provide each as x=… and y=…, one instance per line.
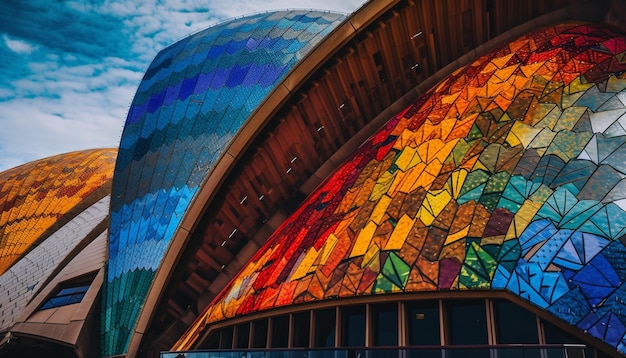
x=456, y=351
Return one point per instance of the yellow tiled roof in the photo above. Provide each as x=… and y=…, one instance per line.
x=36, y=195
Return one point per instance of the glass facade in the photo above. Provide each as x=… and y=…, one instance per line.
x=478, y=326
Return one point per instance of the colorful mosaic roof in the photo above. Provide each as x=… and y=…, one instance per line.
x=35, y=196
x=508, y=175
x=195, y=96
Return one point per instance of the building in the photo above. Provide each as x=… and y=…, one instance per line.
x=373, y=180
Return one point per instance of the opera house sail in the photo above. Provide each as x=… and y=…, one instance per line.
x=418, y=178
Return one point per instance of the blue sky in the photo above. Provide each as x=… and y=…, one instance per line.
x=69, y=69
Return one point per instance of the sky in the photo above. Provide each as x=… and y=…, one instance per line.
x=69, y=69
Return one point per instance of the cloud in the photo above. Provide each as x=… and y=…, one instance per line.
x=18, y=46
x=86, y=59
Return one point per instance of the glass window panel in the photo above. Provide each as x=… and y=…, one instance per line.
x=212, y=341
x=423, y=323
x=353, y=326
x=385, y=324
x=226, y=341
x=280, y=327
x=514, y=324
x=300, y=330
x=466, y=322
x=66, y=296
x=259, y=334
x=73, y=290
x=325, y=328
x=555, y=335
x=243, y=335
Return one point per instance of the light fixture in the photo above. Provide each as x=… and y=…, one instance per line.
x=416, y=35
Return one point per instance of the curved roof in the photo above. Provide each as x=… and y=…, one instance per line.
x=36, y=198
x=193, y=99
x=507, y=175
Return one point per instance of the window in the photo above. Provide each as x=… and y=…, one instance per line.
x=259, y=334
x=68, y=293
x=280, y=326
x=385, y=322
x=325, y=328
x=555, y=335
x=514, y=324
x=353, y=326
x=423, y=323
x=467, y=325
x=243, y=335
x=226, y=339
x=66, y=296
x=301, y=327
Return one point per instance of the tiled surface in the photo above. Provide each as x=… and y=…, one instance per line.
x=508, y=175
x=194, y=97
x=34, y=196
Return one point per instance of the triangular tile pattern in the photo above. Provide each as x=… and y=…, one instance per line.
x=507, y=175
x=193, y=99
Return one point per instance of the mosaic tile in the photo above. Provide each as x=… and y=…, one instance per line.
x=507, y=175
x=35, y=197
x=193, y=99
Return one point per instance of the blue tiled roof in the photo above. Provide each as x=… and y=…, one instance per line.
x=195, y=96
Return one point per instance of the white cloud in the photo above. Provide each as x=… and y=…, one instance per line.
x=69, y=102
x=18, y=46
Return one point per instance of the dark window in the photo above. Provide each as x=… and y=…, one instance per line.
x=301, y=329
x=385, y=324
x=226, y=341
x=213, y=341
x=514, y=324
x=353, y=326
x=555, y=335
x=423, y=323
x=259, y=334
x=467, y=325
x=280, y=327
x=325, y=328
x=243, y=335
x=467, y=322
